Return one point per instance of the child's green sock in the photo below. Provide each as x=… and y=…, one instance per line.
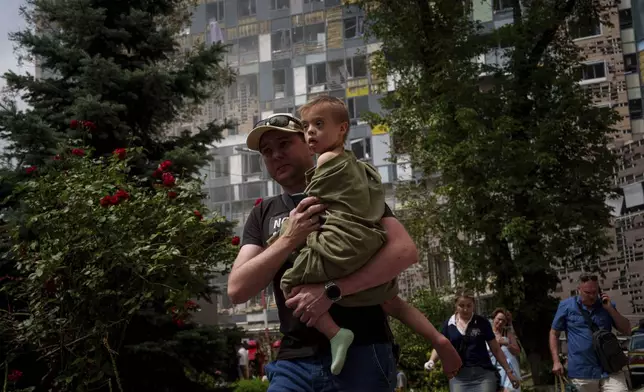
x=339, y=345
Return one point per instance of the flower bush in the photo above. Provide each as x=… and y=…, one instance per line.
x=94, y=252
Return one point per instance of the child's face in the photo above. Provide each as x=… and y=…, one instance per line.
x=322, y=132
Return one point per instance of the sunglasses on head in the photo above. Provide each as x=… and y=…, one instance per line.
x=280, y=120
x=586, y=277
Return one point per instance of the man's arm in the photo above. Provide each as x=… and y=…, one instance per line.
x=553, y=341
x=254, y=267
x=398, y=253
x=621, y=323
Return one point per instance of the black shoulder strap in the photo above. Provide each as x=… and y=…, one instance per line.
x=586, y=315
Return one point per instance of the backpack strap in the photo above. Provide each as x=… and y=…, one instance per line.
x=593, y=327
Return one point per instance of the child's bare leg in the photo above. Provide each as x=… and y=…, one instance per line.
x=340, y=339
x=417, y=321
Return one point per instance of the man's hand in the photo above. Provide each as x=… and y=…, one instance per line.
x=310, y=302
x=449, y=356
x=606, y=302
x=302, y=221
x=557, y=369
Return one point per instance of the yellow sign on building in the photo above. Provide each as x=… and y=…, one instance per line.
x=380, y=129
x=357, y=91
x=357, y=87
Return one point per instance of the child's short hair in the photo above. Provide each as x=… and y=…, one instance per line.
x=337, y=106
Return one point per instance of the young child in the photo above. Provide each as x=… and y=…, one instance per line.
x=351, y=234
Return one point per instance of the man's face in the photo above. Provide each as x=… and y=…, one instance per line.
x=286, y=156
x=589, y=291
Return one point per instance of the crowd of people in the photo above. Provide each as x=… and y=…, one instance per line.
x=333, y=248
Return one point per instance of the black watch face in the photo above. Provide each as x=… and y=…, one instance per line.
x=333, y=292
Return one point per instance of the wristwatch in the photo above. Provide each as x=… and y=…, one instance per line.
x=332, y=291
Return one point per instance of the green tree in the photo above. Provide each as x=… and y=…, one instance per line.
x=515, y=154
x=117, y=65
x=106, y=275
x=415, y=350
x=111, y=76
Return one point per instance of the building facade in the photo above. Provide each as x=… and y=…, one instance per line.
x=613, y=53
x=284, y=53
x=287, y=51
x=620, y=48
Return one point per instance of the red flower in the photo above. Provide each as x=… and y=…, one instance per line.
x=114, y=200
x=157, y=173
x=198, y=214
x=120, y=153
x=50, y=286
x=165, y=165
x=78, y=152
x=122, y=194
x=168, y=179
x=173, y=309
x=259, y=200
x=56, y=158
x=73, y=124
x=178, y=322
x=106, y=200
x=235, y=240
x=172, y=195
x=31, y=169
x=190, y=305
x=14, y=375
x=89, y=125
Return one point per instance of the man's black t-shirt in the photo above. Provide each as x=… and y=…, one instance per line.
x=369, y=323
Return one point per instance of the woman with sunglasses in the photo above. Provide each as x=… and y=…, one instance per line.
x=471, y=334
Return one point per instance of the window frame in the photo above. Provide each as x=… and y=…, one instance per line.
x=252, y=4
x=635, y=65
x=359, y=26
x=628, y=13
x=309, y=73
x=496, y=5
x=283, y=70
x=575, y=23
x=273, y=5
x=367, y=149
x=351, y=68
x=283, y=33
x=219, y=6
x=246, y=164
x=354, y=116
x=639, y=112
x=583, y=81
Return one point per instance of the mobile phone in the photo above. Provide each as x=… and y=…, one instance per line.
x=600, y=296
x=298, y=197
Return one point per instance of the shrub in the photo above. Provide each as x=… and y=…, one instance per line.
x=99, y=256
x=254, y=385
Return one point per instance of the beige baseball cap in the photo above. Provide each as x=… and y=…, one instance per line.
x=278, y=121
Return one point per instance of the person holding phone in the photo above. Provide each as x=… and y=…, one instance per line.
x=584, y=369
x=304, y=358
